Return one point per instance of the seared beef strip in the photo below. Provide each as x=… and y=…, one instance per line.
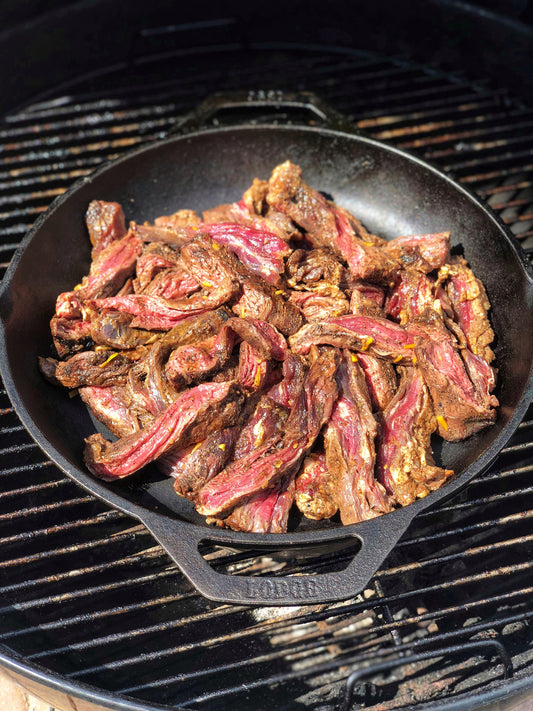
x=114, y=407
x=422, y=252
x=380, y=378
x=315, y=270
x=265, y=512
x=261, y=251
x=100, y=368
x=170, y=235
x=113, y=329
x=461, y=410
x=195, y=465
x=412, y=294
x=378, y=336
x=172, y=284
x=155, y=257
x=156, y=313
x=70, y=336
x=207, y=406
x=266, y=465
x=105, y=223
x=193, y=363
x=367, y=299
x=470, y=305
x=253, y=368
x=404, y=464
x=109, y=270
x=350, y=453
x=363, y=252
x=313, y=494
x=261, y=335
x=265, y=423
x=327, y=226
x=316, y=307
x=148, y=380
x=238, y=213
x=286, y=391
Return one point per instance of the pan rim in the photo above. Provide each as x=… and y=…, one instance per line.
x=278, y=540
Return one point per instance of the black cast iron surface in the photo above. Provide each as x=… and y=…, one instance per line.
x=87, y=594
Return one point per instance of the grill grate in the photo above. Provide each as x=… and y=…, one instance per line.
x=86, y=593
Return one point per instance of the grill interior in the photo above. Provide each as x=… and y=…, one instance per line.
x=86, y=593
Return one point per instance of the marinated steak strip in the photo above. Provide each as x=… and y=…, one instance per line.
x=380, y=378
x=192, y=363
x=482, y=375
x=316, y=307
x=460, y=409
x=172, y=284
x=207, y=406
x=267, y=511
x=286, y=391
x=266, y=465
x=470, y=305
x=109, y=270
x=350, y=453
x=261, y=335
x=412, y=294
x=404, y=464
x=327, y=225
x=365, y=257
x=313, y=494
x=265, y=423
x=421, y=252
x=195, y=465
x=70, y=336
x=147, y=379
x=260, y=250
x=378, y=336
x=367, y=299
x=253, y=368
x=195, y=329
x=113, y=329
x=154, y=258
x=289, y=194
x=156, y=313
x=105, y=223
x=99, y=368
x=171, y=235
x=316, y=270
x=259, y=300
x=113, y=407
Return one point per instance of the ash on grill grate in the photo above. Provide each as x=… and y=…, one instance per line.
x=84, y=590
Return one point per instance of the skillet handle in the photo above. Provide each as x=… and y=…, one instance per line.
x=181, y=541
x=270, y=106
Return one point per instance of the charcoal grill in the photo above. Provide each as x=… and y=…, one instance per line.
x=94, y=614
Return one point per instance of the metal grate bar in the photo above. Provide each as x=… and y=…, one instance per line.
x=506, y=570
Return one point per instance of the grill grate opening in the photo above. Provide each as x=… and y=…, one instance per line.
x=86, y=593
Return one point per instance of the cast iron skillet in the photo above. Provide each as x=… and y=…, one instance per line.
x=392, y=192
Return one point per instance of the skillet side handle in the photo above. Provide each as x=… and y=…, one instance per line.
x=263, y=107
x=377, y=536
